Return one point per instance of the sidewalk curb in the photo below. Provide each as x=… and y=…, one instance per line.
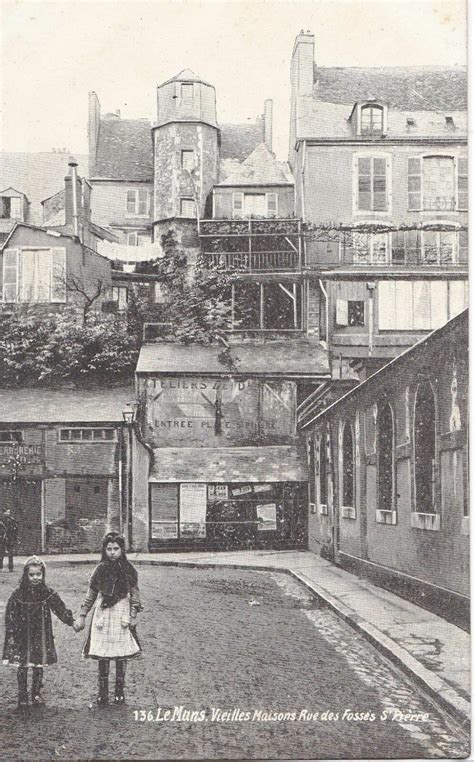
x=436, y=687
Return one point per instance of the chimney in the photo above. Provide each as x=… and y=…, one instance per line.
x=302, y=64
x=268, y=124
x=301, y=79
x=73, y=192
x=93, y=129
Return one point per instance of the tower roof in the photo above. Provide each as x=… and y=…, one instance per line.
x=187, y=75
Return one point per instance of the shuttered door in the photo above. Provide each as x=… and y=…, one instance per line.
x=23, y=497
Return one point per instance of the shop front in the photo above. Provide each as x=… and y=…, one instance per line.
x=228, y=498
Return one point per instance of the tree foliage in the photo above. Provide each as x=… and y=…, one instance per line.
x=51, y=348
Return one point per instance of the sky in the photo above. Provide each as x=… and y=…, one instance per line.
x=54, y=53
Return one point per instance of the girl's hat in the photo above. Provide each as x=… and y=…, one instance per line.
x=34, y=561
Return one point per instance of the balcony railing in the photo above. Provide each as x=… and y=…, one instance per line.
x=257, y=261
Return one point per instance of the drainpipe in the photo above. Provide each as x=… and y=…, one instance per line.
x=325, y=294
x=303, y=163
x=75, y=216
x=371, y=289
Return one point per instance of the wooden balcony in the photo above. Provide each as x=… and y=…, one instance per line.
x=253, y=245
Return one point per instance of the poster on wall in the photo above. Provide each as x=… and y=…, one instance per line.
x=266, y=516
x=192, y=509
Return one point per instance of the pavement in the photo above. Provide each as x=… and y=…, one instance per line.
x=433, y=652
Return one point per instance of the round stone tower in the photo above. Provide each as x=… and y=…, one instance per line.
x=186, y=155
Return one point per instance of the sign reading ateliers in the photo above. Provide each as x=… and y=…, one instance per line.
x=184, y=411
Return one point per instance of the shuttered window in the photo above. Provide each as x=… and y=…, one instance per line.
x=462, y=183
x=372, y=184
x=238, y=203
x=419, y=305
x=58, y=275
x=414, y=183
x=272, y=204
x=10, y=275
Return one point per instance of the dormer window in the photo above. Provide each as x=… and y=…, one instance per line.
x=371, y=119
x=11, y=208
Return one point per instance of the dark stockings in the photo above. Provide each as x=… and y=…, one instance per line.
x=22, y=678
x=120, y=666
x=103, y=697
x=36, y=685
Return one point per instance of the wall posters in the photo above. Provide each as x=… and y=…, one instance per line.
x=192, y=510
x=266, y=516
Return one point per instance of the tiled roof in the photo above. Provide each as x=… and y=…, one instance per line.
x=124, y=150
x=319, y=119
x=229, y=464
x=239, y=140
x=260, y=168
x=285, y=358
x=38, y=176
x=64, y=405
x=407, y=88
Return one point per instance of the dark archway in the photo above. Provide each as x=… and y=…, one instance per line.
x=425, y=448
x=386, y=445
x=347, y=466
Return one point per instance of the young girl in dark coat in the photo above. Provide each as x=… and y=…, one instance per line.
x=113, y=588
x=29, y=640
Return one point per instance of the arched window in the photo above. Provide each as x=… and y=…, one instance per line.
x=386, y=444
x=347, y=467
x=323, y=471
x=371, y=119
x=425, y=448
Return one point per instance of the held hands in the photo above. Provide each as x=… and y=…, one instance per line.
x=79, y=623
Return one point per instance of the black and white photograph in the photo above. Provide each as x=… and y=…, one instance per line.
x=234, y=460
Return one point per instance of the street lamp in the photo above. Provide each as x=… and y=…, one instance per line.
x=129, y=417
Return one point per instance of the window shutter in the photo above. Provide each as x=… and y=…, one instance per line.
x=342, y=312
x=463, y=250
x=364, y=183
x=238, y=203
x=131, y=197
x=456, y=297
x=379, y=180
x=439, y=303
x=272, y=204
x=462, y=183
x=143, y=201
x=414, y=183
x=10, y=275
x=58, y=275
x=386, y=305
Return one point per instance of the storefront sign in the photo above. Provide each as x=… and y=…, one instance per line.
x=220, y=491
x=243, y=490
x=21, y=453
x=181, y=411
x=164, y=531
x=266, y=515
x=192, y=509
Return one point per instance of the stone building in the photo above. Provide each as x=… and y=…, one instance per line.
x=379, y=158
x=388, y=463
x=71, y=466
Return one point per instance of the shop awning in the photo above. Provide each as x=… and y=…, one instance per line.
x=279, y=463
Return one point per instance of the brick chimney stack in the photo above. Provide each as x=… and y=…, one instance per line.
x=268, y=124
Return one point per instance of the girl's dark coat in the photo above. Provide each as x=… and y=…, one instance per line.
x=28, y=627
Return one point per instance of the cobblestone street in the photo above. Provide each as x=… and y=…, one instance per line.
x=254, y=642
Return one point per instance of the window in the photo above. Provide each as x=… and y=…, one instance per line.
x=188, y=161
x=11, y=436
x=138, y=202
x=34, y=275
x=187, y=91
x=134, y=238
x=347, y=467
x=255, y=204
x=267, y=306
x=386, y=457
x=406, y=247
x=350, y=312
x=120, y=295
x=87, y=435
x=323, y=470
x=11, y=208
x=419, y=305
x=437, y=183
x=425, y=448
x=438, y=247
x=187, y=207
x=372, y=183
x=369, y=248
x=371, y=120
